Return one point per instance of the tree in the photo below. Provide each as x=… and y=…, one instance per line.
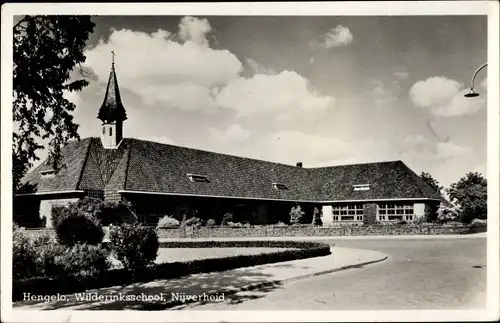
x=296, y=215
x=470, y=194
x=316, y=221
x=432, y=182
x=46, y=50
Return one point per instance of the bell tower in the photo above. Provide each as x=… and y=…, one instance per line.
x=112, y=113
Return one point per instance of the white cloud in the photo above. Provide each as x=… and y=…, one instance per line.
x=443, y=97
x=281, y=94
x=162, y=71
x=311, y=60
x=194, y=29
x=233, y=135
x=338, y=36
x=258, y=68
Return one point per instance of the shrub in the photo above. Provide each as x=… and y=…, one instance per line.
x=446, y=213
x=281, y=224
x=431, y=213
x=83, y=261
x=478, y=222
x=210, y=223
x=194, y=222
x=296, y=215
x=226, y=218
x=134, y=246
x=235, y=225
x=75, y=226
x=316, y=221
x=114, y=213
x=168, y=222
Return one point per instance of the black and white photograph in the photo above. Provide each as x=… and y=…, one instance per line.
x=250, y=162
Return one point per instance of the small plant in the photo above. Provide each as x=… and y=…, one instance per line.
x=235, y=225
x=134, y=246
x=296, y=215
x=210, y=223
x=281, y=224
x=226, y=218
x=168, y=222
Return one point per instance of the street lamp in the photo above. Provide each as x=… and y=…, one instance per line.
x=472, y=92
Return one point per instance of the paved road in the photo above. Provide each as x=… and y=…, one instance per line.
x=420, y=274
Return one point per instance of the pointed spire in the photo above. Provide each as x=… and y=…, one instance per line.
x=112, y=108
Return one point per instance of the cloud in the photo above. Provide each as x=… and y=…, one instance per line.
x=401, y=75
x=233, y=135
x=311, y=60
x=194, y=29
x=163, y=72
x=335, y=37
x=281, y=94
x=443, y=97
x=258, y=68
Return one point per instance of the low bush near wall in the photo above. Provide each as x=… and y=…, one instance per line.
x=296, y=250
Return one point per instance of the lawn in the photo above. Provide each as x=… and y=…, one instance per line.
x=187, y=254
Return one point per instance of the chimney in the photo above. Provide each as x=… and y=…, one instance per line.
x=299, y=164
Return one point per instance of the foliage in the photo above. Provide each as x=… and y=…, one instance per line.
x=210, y=223
x=470, y=193
x=83, y=261
x=316, y=221
x=168, y=222
x=134, y=246
x=430, y=212
x=226, y=218
x=432, y=182
x=296, y=215
x=446, y=213
x=194, y=222
x=235, y=224
x=46, y=50
x=281, y=224
x=72, y=226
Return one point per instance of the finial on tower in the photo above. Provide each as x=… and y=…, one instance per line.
x=113, y=57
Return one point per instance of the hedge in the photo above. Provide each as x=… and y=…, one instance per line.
x=115, y=277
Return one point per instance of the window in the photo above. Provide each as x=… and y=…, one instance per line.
x=348, y=212
x=361, y=187
x=47, y=173
x=395, y=212
x=197, y=178
x=279, y=186
x=110, y=131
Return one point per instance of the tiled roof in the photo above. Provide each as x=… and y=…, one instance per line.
x=139, y=165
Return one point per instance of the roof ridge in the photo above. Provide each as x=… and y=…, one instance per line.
x=218, y=153
x=356, y=164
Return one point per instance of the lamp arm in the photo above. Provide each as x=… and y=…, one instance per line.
x=475, y=73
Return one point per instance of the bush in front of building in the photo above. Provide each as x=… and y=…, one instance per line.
x=210, y=223
x=168, y=222
x=316, y=221
x=226, y=218
x=194, y=222
x=74, y=226
x=42, y=256
x=296, y=215
x=134, y=246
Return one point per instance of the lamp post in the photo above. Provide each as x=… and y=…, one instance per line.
x=472, y=92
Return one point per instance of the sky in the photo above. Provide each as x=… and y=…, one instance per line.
x=320, y=90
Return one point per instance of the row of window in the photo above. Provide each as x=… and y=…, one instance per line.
x=385, y=212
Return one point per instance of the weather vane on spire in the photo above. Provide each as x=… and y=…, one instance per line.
x=113, y=57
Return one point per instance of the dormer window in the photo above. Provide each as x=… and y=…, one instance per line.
x=47, y=173
x=278, y=186
x=361, y=187
x=198, y=178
